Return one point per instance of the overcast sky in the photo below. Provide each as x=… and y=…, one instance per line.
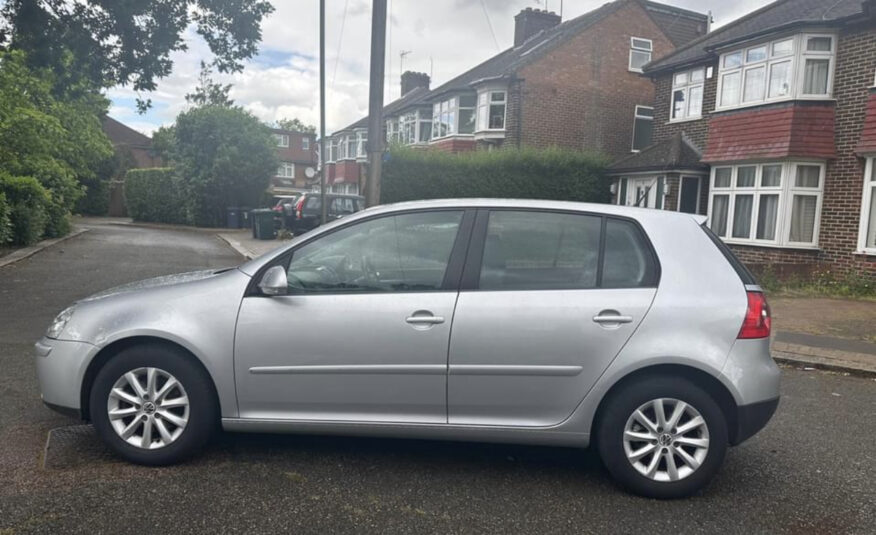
x=444, y=38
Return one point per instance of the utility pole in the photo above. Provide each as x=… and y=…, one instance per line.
x=322, y=192
x=375, y=102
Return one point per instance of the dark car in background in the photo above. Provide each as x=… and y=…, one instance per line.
x=306, y=213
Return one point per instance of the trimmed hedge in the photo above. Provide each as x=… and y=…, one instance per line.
x=5, y=223
x=29, y=208
x=528, y=173
x=154, y=195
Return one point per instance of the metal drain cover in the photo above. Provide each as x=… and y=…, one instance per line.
x=73, y=445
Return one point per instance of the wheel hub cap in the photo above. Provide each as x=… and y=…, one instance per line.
x=148, y=408
x=666, y=439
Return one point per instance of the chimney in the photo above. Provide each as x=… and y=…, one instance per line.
x=531, y=21
x=411, y=80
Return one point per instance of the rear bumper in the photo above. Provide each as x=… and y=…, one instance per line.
x=752, y=418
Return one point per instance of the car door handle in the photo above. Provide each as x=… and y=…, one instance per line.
x=612, y=318
x=424, y=320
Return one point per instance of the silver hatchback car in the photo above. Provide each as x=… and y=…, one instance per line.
x=490, y=320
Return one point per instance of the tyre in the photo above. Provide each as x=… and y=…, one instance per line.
x=662, y=437
x=153, y=405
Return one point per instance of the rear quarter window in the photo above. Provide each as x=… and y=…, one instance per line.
x=628, y=260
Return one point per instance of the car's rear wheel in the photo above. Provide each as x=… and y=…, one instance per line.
x=153, y=405
x=662, y=437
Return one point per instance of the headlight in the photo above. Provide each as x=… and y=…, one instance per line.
x=59, y=323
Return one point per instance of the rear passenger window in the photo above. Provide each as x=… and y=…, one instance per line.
x=540, y=251
x=313, y=203
x=628, y=260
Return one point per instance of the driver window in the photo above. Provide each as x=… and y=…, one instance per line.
x=407, y=252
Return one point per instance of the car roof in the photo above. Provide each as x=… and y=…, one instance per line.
x=610, y=209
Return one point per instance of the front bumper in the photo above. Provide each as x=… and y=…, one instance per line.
x=61, y=366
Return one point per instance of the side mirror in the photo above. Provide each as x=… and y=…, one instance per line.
x=274, y=281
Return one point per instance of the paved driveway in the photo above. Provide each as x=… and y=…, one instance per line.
x=813, y=470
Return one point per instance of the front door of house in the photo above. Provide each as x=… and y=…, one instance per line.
x=642, y=192
x=689, y=196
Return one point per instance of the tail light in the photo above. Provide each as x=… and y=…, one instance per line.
x=299, y=206
x=757, y=321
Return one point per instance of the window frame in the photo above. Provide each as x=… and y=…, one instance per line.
x=686, y=89
x=285, y=166
x=485, y=103
x=474, y=261
x=637, y=117
x=452, y=273
x=796, y=77
x=633, y=48
x=305, y=143
x=282, y=140
x=868, y=196
x=786, y=192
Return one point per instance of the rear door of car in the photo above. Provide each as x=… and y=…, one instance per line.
x=548, y=299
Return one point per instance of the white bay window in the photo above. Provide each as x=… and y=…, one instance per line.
x=454, y=116
x=867, y=232
x=796, y=67
x=774, y=203
x=491, y=109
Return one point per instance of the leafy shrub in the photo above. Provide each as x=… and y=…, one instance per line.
x=57, y=220
x=154, y=195
x=28, y=205
x=5, y=223
x=554, y=173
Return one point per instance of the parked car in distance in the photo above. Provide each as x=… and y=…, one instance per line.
x=518, y=321
x=306, y=214
x=284, y=210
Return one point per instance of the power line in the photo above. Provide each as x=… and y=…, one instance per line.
x=490, y=24
x=340, y=40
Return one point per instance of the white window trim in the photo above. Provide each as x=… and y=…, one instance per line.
x=798, y=71
x=282, y=140
x=786, y=193
x=284, y=167
x=699, y=191
x=869, y=192
x=636, y=117
x=305, y=143
x=488, y=92
x=649, y=50
x=361, y=144
x=686, y=89
x=452, y=104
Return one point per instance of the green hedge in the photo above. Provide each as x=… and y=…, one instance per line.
x=5, y=222
x=526, y=174
x=29, y=207
x=154, y=195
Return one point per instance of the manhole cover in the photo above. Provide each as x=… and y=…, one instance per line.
x=73, y=445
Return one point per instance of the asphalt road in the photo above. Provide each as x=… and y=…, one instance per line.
x=812, y=470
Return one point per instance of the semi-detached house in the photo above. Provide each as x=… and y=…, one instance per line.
x=768, y=126
x=574, y=84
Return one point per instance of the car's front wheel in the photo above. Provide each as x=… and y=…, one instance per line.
x=153, y=405
x=662, y=437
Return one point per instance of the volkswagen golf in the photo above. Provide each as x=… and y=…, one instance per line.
x=537, y=322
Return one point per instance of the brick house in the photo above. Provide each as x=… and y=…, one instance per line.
x=573, y=84
x=768, y=126
x=297, y=151
x=133, y=150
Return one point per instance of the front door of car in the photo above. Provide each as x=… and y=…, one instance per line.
x=543, y=309
x=363, y=333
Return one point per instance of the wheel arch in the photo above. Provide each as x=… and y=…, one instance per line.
x=712, y=385
x=117, y=346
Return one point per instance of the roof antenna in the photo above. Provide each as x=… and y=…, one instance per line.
x=401, y=60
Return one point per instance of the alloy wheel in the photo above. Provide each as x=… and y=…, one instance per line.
x=148, y=408
x=666, y=439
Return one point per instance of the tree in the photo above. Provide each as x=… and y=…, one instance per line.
x=224, y=156
x=208, y=91
x=105, y=44
x=58, y=141
x=295, y=125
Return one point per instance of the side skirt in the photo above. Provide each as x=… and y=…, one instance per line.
x=474, y=433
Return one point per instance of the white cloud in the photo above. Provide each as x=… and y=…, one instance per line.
x=444, y=37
